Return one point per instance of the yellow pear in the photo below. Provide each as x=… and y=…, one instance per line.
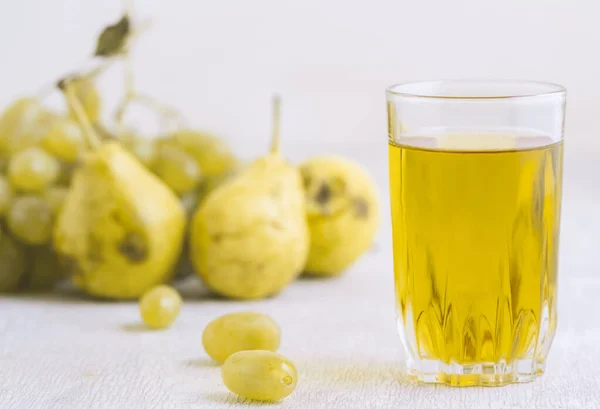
x=343, y=213
x=249, y=237
x=120, y=229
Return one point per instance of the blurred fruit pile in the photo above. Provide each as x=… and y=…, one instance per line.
x=88, y=199
x=39, y=151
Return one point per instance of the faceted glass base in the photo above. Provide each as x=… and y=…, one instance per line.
x=484, y=374
x=425, y=368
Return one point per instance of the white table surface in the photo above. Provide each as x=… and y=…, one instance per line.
x=61, y=352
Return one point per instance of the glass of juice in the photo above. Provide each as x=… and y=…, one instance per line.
x=475, y=184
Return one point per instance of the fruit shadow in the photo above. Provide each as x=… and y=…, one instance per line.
x=232, y=399
x=201, y=294
x=325, y=372
x=194, y=293
x=204, y=362
x=191, y=289
x=308, y=277
x=136, y=327
x=58, y=297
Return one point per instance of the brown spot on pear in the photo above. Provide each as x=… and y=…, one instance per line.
x=133, y=247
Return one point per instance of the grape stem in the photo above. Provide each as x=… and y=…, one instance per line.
x=99, y=70
x=130, y=95
x=88, y=131
x=153, y=104
x=276, y=124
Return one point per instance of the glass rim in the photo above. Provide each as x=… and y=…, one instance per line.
x=545, y=89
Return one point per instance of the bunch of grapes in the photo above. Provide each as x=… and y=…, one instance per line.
x=39, y=150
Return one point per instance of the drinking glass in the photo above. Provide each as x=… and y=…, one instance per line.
x=475, y=183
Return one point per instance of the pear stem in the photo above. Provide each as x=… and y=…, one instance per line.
x=276, y=124
x=88, y=131
x=128, y=7
x=98, y=70
x=90, y=75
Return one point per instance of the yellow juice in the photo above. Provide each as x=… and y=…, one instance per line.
x=475, y=235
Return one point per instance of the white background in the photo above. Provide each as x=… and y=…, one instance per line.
x=219, y=61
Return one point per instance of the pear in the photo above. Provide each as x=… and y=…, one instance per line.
x=249, y=237
x=120, y=229
x=211, y=183
x=343, y=213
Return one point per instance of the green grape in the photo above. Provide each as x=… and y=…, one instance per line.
x=177, y=169
x=13, y=118
x=12, y=262
x=22, y=126
x=160, y=306
x=55, y=197
x=88, y=96
x=32, y=129
x=63, y=139
x=32, y=169
x=211, y=153
x=30, y=220
x=45, y=272
x=240, y=331
x=6, y=195
x=259, y=375
x=33, y=124
x=144, y=149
